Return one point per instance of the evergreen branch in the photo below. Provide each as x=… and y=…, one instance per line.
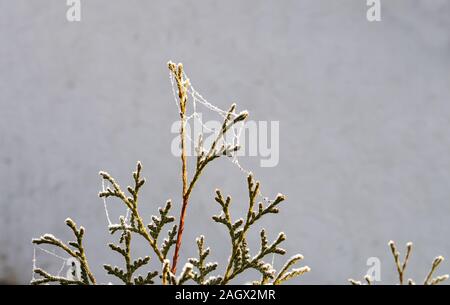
x=285, y=274
x=148, y=280
x=117, y=272
x=401, y=266
x=126, y=275
x=203, y=269
x=79, y=254
x=202, y=159
x=169, y=241
x=131, y=203
x=434, y=281
x=213, y=280
x=353, y=282
x=439, y=279
x=48, y=278
x=118, y=250
x=158, y=223
x=185, y=275
x=139, y=263
x=131, y=267
x=167, y=277
x=240, y=259
x=154, y=230
x=369, y=280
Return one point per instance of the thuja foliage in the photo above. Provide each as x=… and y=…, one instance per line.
x=401, y=267
x=240, y=259
x=164, y=236
x=75, y=249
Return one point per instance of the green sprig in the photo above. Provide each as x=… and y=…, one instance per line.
x=240, y=259
x=74, y=248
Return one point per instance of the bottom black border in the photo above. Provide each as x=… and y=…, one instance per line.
x=233, y=294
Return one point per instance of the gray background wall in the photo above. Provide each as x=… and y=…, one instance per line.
x=363, y=108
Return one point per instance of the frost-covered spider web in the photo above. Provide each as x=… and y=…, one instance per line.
x=64, y=260
x=195, y=98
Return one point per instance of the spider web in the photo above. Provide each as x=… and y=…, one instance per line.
x=236, y=129
x=196, y=99
x=63, y=259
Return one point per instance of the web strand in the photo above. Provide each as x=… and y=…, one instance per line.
x=63, y=259
x=105, y=205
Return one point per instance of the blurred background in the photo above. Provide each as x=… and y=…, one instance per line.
x=364, y=112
